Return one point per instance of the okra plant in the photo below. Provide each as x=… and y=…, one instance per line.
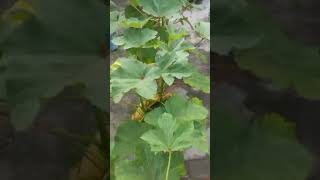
x=154, y=35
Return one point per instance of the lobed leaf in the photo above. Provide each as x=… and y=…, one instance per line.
x=256, y=152
x=161, y=8
x=134, y=75
x=169, y=135
x=133, y=37
x=44, y=53
x=198, y=81
x=173, y=65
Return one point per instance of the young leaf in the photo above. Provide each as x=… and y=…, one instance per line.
x=134, y=37
x=134, y=75
x=175, y=34
x=169, y=135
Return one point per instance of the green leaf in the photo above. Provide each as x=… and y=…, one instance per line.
x=29, y=78
x=185, y=110
x=176, y=46
x=255, y=152
x=189, y=110
x=146, y=55
x=175, y=33
x=161, y=8
x=232, y=29
x=134, y=3
x=203, y=29
x=152, y=116
x=128, y=139
x=46, y=53
x=133, y=37
x=20, y=12
x=244, y=25
x=198, y=81
x=148, y=165
x=223, y=44
x=115, y=21
x=133, y=12
x=181, y=108
x=277, y=125
x=200, y=139
x=133, y=75
x=134, y=22
x=169, y=135
x=173, y=65
x=197, y=101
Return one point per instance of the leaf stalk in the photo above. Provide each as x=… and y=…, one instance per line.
x=168, y=166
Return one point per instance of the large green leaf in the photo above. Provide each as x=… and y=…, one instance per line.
x=133, y=37
x=169, y=135
x=128, y=139
x=181, y=108
x=161, y=8
x=45, y=53
x=148, y=165
x=173, y=65
x=200, y=139
x=132, y=74
x=133, y=159
x=243, y=25
x=256, y=151
x=232, y=30
x=185, y=110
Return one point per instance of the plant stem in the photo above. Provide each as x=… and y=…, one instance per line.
x=139, y=11
x=198, y=43
x=163, y=21
x=142, y=104
x=187, y=20
x=161, y=89
x=168, y=167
